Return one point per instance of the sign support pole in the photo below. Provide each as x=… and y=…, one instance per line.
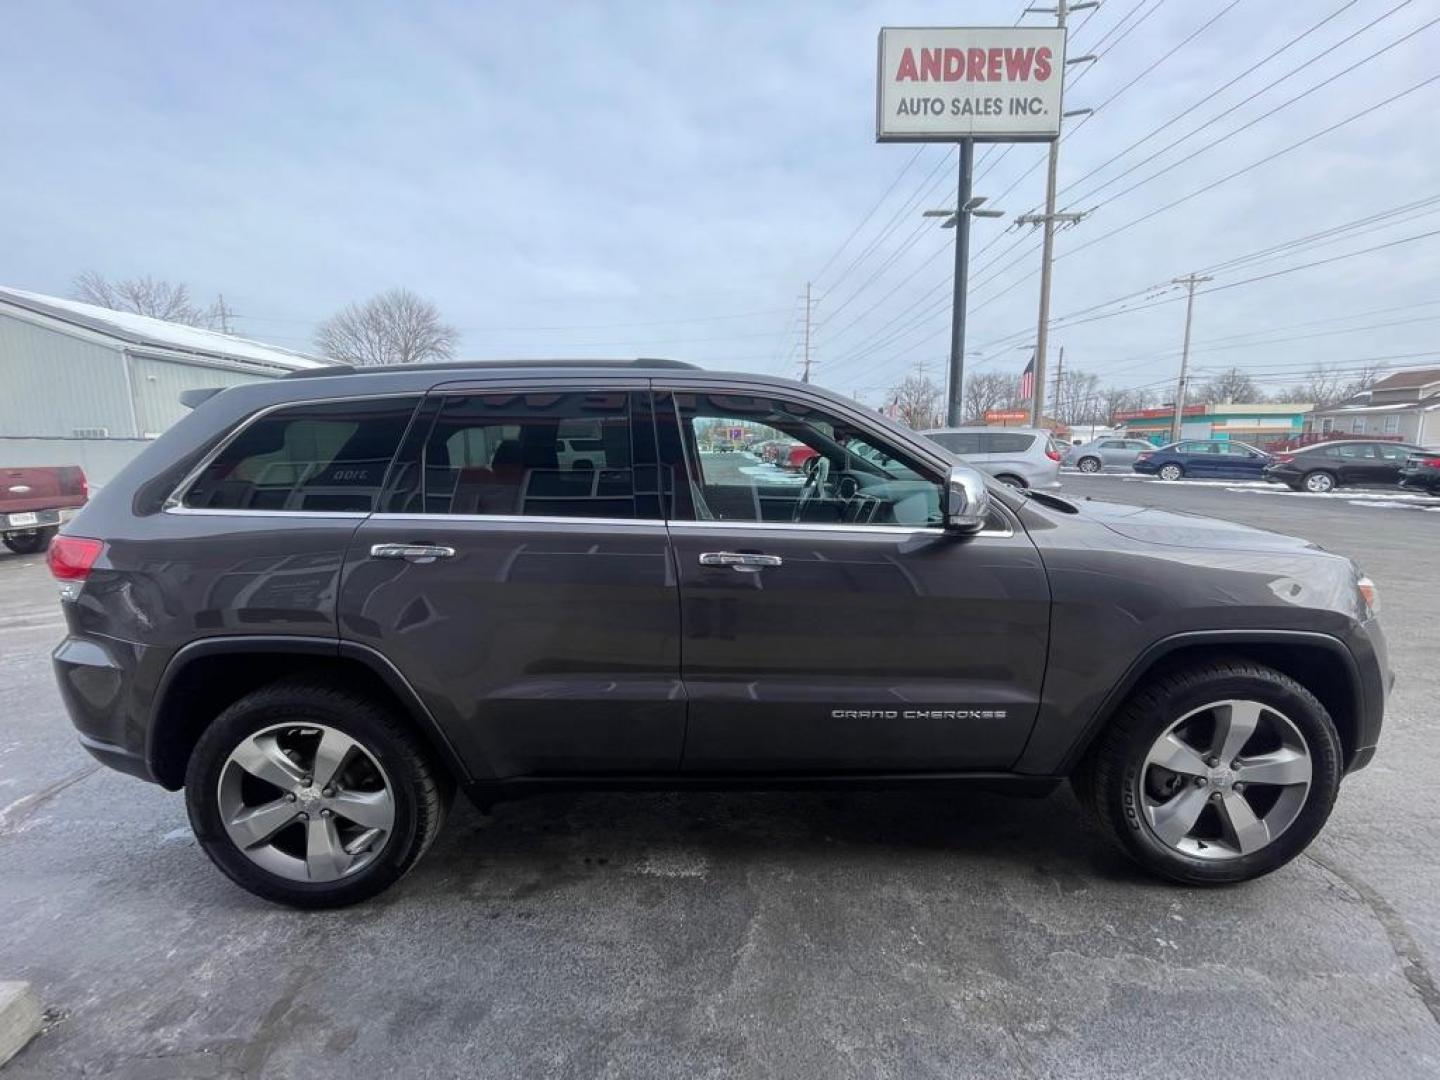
x=954, y=409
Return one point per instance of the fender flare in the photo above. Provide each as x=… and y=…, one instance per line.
x=376, y=662
x=1156, y=651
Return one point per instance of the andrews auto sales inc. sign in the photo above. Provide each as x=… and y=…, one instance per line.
x=992, y=84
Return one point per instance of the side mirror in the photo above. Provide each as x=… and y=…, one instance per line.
x=967, y=500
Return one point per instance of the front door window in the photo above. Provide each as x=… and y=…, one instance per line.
x=796, y=463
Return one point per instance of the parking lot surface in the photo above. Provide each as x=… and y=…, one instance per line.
x=876, y=935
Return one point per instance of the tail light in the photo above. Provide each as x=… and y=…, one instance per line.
x=1429, y=462
x=1052, y=453
x=70, y=559
x=1283, y=459
x=1144, y=455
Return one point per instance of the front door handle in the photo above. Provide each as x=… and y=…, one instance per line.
x=416, y=553
x=744, y=562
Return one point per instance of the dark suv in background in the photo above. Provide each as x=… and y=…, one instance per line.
x=322, y=604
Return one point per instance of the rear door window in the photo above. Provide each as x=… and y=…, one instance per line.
x=531, y=454
x=321, y=458
x=1355, y=451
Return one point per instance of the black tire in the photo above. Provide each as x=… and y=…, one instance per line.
x=31, y=541
x=1089, y=465
x=1178, y=470
x=422, y=791
x=1012, y=480
x=1319, y=481
x=1109, y=781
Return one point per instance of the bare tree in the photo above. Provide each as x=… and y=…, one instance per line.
x=917, y=401
x=987, y=390
x=1327, y=384
x=1232, y=385
x=146, y=296
x=395, y=327
x=1117, y=399
x=1077, y=400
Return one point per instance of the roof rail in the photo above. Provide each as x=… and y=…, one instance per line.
x=489, y=365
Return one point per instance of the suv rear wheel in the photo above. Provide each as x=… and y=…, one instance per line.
x=1089, y=464
x=1216, y=774
x=310, y=795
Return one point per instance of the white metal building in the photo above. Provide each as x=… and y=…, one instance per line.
x=84, y=385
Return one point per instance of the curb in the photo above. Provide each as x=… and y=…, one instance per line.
x=19, y=1018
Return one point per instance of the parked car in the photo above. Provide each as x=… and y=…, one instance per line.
x=322, y=604
x=797, y=457
x=1204, y=458
x=1422, y=472
x=1322, y=467
x=35, y=500
x=1107, y=453
x=1020, y=457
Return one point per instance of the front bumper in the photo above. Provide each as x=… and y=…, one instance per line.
x=1420, y=479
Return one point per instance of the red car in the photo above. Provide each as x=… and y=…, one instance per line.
x=796, y=457
x=35, y=500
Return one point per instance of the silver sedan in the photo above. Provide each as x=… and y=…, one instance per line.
x=1109, y=453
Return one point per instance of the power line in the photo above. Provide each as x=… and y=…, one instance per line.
x=1213, y=94
x=871, y=213
x=1250, y=123
x=1253, y=165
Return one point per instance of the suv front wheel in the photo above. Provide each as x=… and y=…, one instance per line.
x=311, y=795
x=1216, y=774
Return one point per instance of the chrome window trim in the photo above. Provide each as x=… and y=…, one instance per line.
x=176, y=500
x=859, y=530
x=518, y=519
x=201, y=511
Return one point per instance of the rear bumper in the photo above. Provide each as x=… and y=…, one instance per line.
x=42, y=519
x=96, y=680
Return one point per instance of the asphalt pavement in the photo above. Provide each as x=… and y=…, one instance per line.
x=734, y=935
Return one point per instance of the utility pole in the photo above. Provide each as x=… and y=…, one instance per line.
x=222, y=313
x=805, y=375
x=1047, y=221
x=1189, y=281
x=1059, y=375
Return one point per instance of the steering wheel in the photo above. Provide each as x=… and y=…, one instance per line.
x=814, y=487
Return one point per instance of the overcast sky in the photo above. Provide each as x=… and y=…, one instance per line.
x=544, y=172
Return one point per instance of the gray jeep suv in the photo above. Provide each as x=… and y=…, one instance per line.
x=321, y=604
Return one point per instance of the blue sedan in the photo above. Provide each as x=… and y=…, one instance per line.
x=1202, y=458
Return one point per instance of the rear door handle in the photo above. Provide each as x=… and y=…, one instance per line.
x=744, y=562
x=416, y=553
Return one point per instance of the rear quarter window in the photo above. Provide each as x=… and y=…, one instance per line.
x=322, y=458
x=957, y=442
x=1006, y=442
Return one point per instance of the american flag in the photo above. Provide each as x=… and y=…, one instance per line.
x=1027, y=380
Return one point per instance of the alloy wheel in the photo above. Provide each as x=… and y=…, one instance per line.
x=1225, y=780
x=1170, y=472
x=306, y=802
x=1089, y=465
x=1319, y=482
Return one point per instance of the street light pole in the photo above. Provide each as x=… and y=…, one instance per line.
x=956, y=391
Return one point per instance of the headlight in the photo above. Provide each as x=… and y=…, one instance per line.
x=1370, y=597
